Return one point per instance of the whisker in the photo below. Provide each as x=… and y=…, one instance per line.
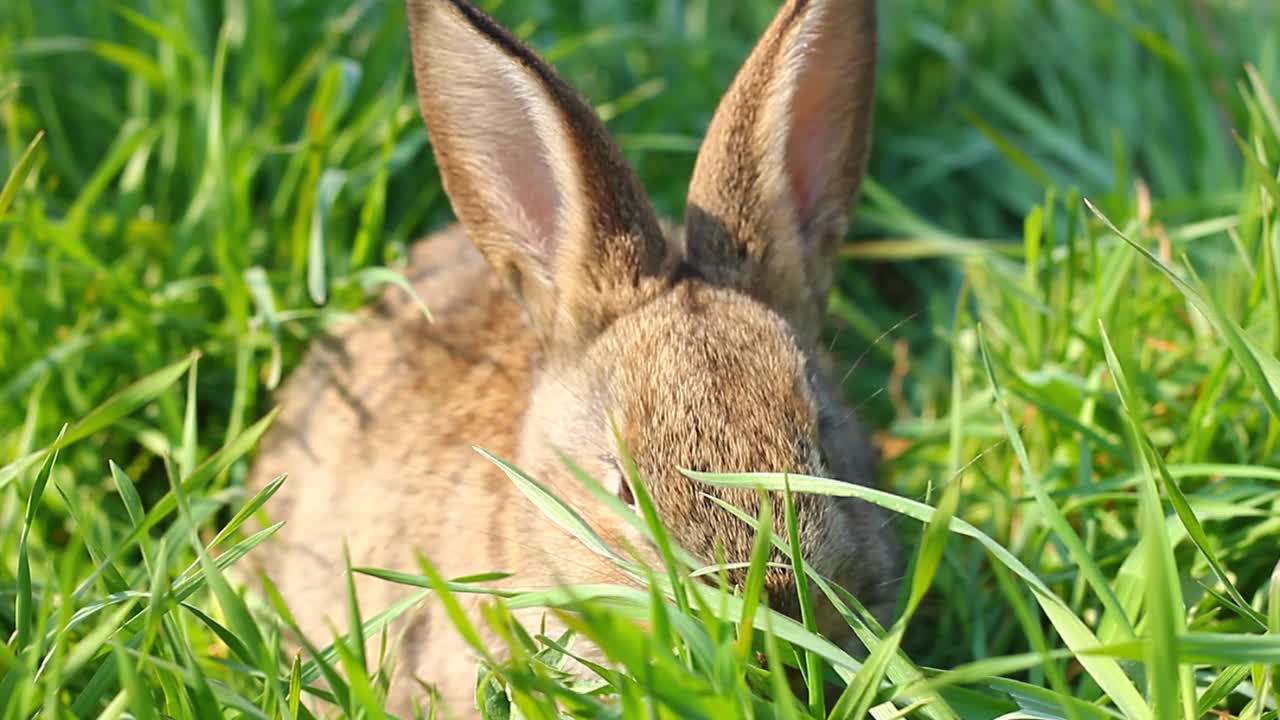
x=835, y=338
x=891, y=581
x=858, y=361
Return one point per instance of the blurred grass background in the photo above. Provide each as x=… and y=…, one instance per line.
x=227, y=176
x=192, y=144
x=189, y=142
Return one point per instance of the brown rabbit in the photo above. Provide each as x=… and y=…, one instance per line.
x=562, y=301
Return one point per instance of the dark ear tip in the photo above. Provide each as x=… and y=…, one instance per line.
x=419, y=10
x=490, y=29
x=468, y=10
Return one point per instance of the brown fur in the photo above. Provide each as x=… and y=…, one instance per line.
x=561, y=302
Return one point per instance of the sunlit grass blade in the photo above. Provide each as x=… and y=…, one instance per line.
x=668, y=550
x=727, y=607
x=24, y=615
x=1163, y=593
x=111, y=576
x=1038, y=702
x=18, y=174
x=355, y=630
x=782, y=695
x=858, y=697
x=808, y=614
x=240, y=620
x=350, y=656
x=1261, y=369
x=1199, y=648
x=167, y=504
x=555, y=508
x=1221, y=688
x=1265, y=175
x=1057, y=521
x=370, y=626
x=373, y=277
x=139, y=694
x=1072, y=630
x=899, y=668
x=753, y=588
x=631, y=515
x=331, y=183
x=119, y=405
x=242, y=515
x=295, y=686
x=979, y=671
x=1196, y=532
x=186, y=451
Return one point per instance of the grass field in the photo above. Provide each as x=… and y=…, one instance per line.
x=1060, y=306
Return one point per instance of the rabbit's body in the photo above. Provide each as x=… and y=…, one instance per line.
x=566, y=305
x=376, y=432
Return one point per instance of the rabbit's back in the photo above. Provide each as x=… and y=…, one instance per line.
x=376, y=433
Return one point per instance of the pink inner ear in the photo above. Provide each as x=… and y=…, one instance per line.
x=821, y=90
x=807, y=149
x=521, y=160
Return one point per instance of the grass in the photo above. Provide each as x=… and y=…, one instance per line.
x=1080, y=400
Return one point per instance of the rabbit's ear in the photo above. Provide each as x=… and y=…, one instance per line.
x=532, y=174
x=780, y=168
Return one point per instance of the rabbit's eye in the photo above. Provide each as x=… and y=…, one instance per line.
x=624, y=485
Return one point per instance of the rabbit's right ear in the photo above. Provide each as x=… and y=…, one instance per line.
x=532, y=175
x=783, y=159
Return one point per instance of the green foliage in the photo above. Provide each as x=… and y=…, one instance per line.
x=1079, y=399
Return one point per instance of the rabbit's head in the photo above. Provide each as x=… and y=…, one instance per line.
x=700, y=343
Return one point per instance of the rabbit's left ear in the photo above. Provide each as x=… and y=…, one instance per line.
x=784, y=157
x=532, y=174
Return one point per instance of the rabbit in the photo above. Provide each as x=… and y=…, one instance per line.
x=564, y=307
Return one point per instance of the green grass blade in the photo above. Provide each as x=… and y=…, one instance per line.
x=1221, y=688
x=899, y=668
x=119, y=405
x=1163, y=592
x=754, y=586
x=1056, y=520
x=139, y=694
x=554, y=508
x=211, y=467
x=251, y=640
x=331, y=183
x=186, y=456
x=808, y=615
x=1261, y=369
x=370, y=278
x=358, y=659
x=24, y=614
x=1072, y=630
x=18, y=174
